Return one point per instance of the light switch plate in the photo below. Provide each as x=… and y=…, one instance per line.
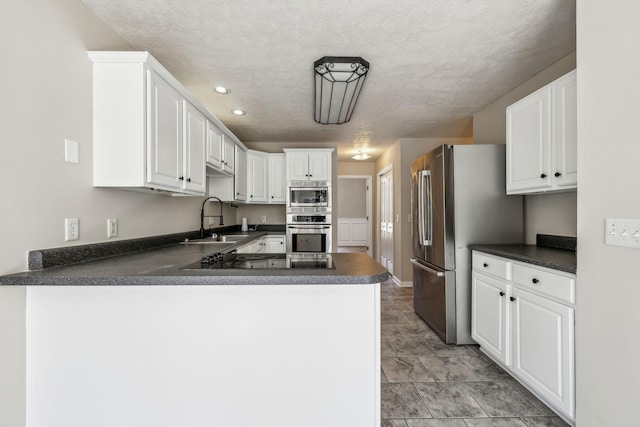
x=622, y=232
x=70, y=151
x=112, y=227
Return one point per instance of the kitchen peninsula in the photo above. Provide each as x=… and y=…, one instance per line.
x=136, y=340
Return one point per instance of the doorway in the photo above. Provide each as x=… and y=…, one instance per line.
x=385, y=215
x=354, y=221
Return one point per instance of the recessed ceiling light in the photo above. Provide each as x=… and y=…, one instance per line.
x=239, y=112
x=221, y=89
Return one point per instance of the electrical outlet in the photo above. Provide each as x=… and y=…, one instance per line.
x=263, y=219
x=622, y=232
x=112, y=227
x=71, y=229
x=70, y=151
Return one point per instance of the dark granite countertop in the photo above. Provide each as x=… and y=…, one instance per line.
x=162, y=266
x=557, y=259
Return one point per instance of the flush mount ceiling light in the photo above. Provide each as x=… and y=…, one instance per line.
x=239, y=112
x=361, y=156
x=221, y=90
x=338, y=82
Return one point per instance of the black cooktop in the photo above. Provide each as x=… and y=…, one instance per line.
x=262, y=261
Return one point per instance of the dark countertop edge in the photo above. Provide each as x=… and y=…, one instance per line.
x=229, y=280
x=70, y=255
x=519, y=253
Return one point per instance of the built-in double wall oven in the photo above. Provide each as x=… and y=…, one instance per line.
x=309, y=231
x=309, y=217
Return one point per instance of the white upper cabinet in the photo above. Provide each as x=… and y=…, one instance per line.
x=308, y=164
x=228, y=156
x=265, y=177
x=164, y=138
x=256, y=177
x=220, y=152
x=214, y=147
x=149, y=132
x=195, y=139
x=277, y=178
x=542, y=139
x=565, y=156
x=240, y=176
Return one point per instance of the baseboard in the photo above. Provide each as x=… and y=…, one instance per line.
x=397, y=282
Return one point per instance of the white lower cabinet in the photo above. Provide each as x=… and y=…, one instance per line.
x=543, y=348
x=267, y=244
x=489, y=311
x=275, y=244
x=527, y=324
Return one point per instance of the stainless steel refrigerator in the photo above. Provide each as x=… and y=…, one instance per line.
x=458, y=199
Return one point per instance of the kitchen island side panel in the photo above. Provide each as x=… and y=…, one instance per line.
x=12, y=355
x=277, y=355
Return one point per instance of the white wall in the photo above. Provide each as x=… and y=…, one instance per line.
x=549, y=213
x=352, y=197
x=608, y=287
x=46, y=84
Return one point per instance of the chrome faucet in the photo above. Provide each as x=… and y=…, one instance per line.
x=209, y=216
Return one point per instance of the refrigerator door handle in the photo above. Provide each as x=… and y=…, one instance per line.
x=424, y=267
x=424, y=208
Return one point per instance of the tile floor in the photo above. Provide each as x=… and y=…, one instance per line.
x=426, y=383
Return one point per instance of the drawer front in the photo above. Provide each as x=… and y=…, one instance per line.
x=562, y=288
x=494, y=266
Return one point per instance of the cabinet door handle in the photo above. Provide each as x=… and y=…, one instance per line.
x=534, y=280
x=501, y=293
x=188, y=179
x=543, y=175
x=557, y=174
x=485, y=265
x=272, y=197
x=181, y=178
x=310, y=175
x=512, y=298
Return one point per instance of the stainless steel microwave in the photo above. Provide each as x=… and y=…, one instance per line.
x=309, y=194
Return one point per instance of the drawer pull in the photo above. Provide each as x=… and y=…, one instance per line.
x=485, y=265
x=512, y=298
x=501, y=293
x=534, y=280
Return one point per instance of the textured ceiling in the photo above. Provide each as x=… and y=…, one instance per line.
x=433, y=62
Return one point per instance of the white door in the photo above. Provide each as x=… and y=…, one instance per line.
x=386, y=220
x=354, y=202
x=164, y=133
x=543, y=331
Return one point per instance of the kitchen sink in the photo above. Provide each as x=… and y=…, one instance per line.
x=208, y=241
x=226, y=239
